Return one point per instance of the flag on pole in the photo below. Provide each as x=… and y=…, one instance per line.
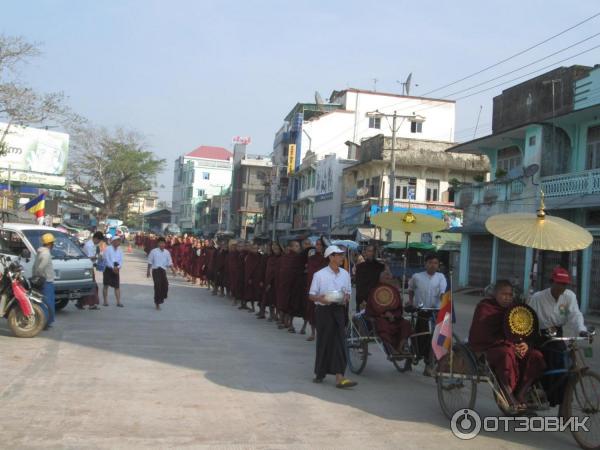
x=37, y=206
x=442, y=334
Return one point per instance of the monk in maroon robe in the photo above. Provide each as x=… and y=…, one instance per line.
x=242, y=254
x=391, y=327
x=250, y=276
x=367, y=276
x=269, y=298
x=231, y=270
x=259, y=281
x=290, y=286
x=220, y=264
x=517, y=365
x=314, y=263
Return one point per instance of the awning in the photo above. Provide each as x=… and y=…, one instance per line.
x=343, y=230
x=365, y=234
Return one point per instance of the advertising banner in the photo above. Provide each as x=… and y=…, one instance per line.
x=34, y=150
x=291, y=158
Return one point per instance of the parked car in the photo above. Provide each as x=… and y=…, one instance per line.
x=73, y=269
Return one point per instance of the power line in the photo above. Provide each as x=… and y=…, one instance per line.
x=515, y=55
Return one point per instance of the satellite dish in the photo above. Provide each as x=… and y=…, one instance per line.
x=362, y=191
x=531, y=170
x=407, y=84
x=318, y=99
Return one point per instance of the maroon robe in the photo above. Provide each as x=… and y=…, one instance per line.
x=315, y=263
x=231, y=271
x=487, y=336
x=250, y=276
x=240, y=268
x=259, y=277
x=220, y=265
x=391, y=331
x=271, y=275
x=290, y=284
x=211, y=258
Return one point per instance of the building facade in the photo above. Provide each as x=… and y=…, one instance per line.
x=424, y=178
x=546, y=138
x=198, y=175
x=316, y=130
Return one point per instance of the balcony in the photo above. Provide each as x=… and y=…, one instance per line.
x=586, y=182
x=489, y=193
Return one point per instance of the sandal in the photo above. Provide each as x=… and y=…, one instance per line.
x=346, y=383
x=310, y=338
x=317, y=380
x=120, y=305
x=93, y=307
x=291, y=330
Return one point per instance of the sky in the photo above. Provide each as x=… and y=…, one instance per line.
x=191, y=73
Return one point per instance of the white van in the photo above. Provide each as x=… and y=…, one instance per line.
x=73, y=270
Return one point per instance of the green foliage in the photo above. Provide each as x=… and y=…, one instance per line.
x=479, y=178
x=109, y=170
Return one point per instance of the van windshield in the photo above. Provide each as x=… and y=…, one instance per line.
x=64, y=246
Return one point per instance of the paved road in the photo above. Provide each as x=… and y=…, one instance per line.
x=203, y=374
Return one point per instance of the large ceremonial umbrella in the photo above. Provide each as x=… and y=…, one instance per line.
x=408, y=222
x=539, y=231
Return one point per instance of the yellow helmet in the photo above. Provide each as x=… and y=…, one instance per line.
x=48, y=238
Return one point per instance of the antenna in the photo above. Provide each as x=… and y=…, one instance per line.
x=375, y=80
x=406, y=86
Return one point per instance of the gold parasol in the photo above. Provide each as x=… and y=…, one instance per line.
x=408, y=222
x=539, y=231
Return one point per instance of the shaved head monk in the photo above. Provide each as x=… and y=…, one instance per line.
x=517, y=365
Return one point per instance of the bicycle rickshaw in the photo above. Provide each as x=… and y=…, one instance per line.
x=361, y=332
x=460, y=371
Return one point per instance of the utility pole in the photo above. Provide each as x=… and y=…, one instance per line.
x=395, y=127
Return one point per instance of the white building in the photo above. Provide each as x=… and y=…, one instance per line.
x=321, y=129
x=198, y=175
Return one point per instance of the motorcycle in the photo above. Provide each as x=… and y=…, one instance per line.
x=20, y=304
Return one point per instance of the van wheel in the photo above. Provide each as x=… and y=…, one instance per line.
x=60, y=304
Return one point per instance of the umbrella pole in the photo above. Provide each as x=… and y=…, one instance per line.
x=404, y=263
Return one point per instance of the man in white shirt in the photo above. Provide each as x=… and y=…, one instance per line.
x=91, y=246
x=556, y=307
x=159, y=260
x=330, y=290
x=425, y=289
x=113, y=256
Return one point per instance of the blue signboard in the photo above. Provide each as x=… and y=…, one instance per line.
x=321, y=224
x=375, y=209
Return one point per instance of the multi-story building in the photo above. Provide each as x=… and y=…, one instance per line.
x=249, y=186
x=546, y=138
x=213, y=214
x=322, y=129
x=199, y=174
x=143, y=203
x=424, y=179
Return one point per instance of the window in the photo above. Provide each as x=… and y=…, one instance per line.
x=260, y=175
x=432, y=189
x=189, y=193
x=509, y=158
x=206, y=175
x=375, y=122
x=374, y=191
x=416, y=127
x=200, y=192
x=11, y=243
x=259, y=198
x=360, y=183
x=65, y=247
x=593, y=148
x=531, y=141
x=406, y=188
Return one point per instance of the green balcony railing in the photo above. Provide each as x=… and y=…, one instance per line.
x=586, y=182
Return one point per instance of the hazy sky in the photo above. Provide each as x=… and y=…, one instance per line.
x=186, y=73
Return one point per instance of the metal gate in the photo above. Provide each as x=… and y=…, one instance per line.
x=511, y=261
x=480, y=260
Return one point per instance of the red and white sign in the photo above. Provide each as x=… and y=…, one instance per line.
x=242, y=140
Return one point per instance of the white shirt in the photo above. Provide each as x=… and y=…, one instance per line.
x=326, y=280
x=160, y=259
x=112, y=256
x=557, y=313
x=90, y=248
x=427, y=288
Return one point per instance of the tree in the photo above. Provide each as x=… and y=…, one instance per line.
x=108, y=170
x=20, y=104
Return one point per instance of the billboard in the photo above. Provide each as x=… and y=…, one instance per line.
x=245, y=140
x=34, y=150
x=325, y=175
x=291, y=158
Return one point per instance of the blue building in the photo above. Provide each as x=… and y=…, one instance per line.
x=546, y=138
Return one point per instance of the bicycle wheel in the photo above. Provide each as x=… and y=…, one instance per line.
x=456, y=385
x=357, y=350
x=582, y=399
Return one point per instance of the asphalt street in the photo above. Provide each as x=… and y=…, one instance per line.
x=201, y=373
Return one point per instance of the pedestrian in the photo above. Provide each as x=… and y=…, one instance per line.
x=43, y=268
x=315, y=263
x=113, y=257
x=328, y=285
x=92, y=251
x=159, y=260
